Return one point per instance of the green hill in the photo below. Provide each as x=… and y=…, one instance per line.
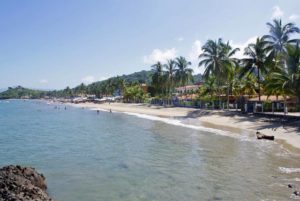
x=21, y=92
x=108, y=86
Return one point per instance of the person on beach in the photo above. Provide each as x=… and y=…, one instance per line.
x=110, y=110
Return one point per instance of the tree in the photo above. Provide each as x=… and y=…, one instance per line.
x=170, y=73
x=279, y=36
x=231, y=67
x=293, y=70
x=134, y=93
x=184, y=73
x=256, y=61
x=157, y=77
x=287, y=81
x=217, y=61
x=209, y=87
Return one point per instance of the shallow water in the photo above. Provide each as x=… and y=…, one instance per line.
x=114, y=156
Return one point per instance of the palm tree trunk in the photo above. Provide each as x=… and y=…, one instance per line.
x=228, y=96
x=258, y=80
x=285, y=106
x=219, y=92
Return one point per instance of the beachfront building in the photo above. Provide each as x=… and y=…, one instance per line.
x=272, y=104
x=190, y=89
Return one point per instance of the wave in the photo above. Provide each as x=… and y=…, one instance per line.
x=289, y=170
x=178, y=122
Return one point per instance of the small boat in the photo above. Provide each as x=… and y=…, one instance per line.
x=264, y=137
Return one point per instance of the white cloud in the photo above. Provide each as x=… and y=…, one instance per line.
x=194, y=56
x=277, y=12
x=242, y=46
x=88, y=79
x=293, y=17
x=160, y=55
x=44, y=81
x=179, y=39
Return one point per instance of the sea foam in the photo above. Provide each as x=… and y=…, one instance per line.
x=289, y=170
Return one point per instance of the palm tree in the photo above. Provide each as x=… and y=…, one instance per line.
x=157, y=77
x=209, y=87
x=211, y=59
x=293, y=64
x=231, y=67
x=287, y=81
x=171, y=71
x=279, y=36
x=256, y=61
x=248, y=85
x=184, y=73
x=217, y=60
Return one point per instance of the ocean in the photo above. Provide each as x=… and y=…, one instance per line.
x=125, y=157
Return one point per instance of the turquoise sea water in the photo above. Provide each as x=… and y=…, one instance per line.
x=114, y=157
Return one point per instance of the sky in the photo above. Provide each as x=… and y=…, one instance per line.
x=54, y=44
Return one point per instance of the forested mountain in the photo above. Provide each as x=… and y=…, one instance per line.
x=21, y=92
x=105, y=87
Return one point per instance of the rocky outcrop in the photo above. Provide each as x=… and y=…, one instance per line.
x=22, y=184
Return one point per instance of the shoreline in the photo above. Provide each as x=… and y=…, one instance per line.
x=288, y=136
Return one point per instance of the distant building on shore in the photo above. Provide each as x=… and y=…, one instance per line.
x=188, y=88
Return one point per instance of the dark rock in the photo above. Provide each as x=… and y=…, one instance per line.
x=297, y=193
x=290, y=186
x=22, y=183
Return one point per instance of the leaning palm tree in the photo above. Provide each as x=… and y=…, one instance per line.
x=279, y=36
x=256, y=61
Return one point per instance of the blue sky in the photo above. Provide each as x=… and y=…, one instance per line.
x=54, y=44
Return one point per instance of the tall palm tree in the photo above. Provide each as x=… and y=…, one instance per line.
x=256, y=61
x=158, y=77
x=231, y=66
x=217, y=60
x=293, y=64
x=171, y=72
x=211, y=59
x=279, y=36
x=184, y=73
x=287, y=81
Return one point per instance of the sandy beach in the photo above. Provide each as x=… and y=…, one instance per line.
x=288, y=136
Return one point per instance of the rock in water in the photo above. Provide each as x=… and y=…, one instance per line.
x=22, y=183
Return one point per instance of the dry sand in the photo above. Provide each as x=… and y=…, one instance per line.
x=288, y=135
